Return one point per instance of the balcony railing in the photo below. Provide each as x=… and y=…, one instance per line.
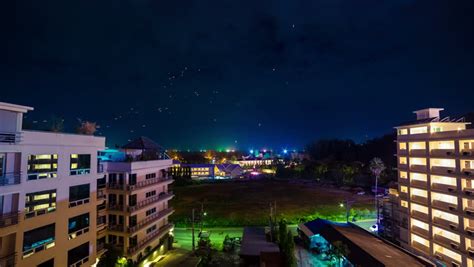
x=150, y=237
x=469, y=211
x=116, y=227
x=101, y=248
x=10, y=178
x=116, y=207
x=419, y=183
x=79, y=202
x=420, y=231
x=446, y=241
x=35, y=213
x=150, y=201
x=444, y=187
x=468, y=171
x=40, y=247
x=419, y=199
x=442, y=152
x=421, y=247
x=443, y=170
x=444, y=205
x=8, y=219
x=78, y=233
x=80, y=262
x=418, y=152
x=10, y=137
x=445, y=223
x=419, y=215
x=8, y=261
x=467, y=152
x=150, y=219
x=148, y=182
x=418, y=168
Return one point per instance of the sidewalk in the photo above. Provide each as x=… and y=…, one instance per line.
x=176, y=258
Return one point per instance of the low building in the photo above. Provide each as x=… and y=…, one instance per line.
x=363, y=248
x=256, y=250
x=214, y=171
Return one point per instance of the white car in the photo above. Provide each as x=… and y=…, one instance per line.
x=361, y=193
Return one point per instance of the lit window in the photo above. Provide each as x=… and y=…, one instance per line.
x=403, y=160
x=442, y=145
x=418, y=161
x=421, y=240
x=404, y=203
x=403, y=175
x=417, y=145
x=444, y=198
x=438, y=231
x=443, y=180
x=419, y=192
x=420, y=208
x=444, y=251
x=403, y=189
x=402, y=146
x=448, y=163
x=445, y=216
x=419, y=130
x=420, y=224
x=402, y=131
x=418, y=176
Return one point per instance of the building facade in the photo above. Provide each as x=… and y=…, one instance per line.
x=48, y=194
x=136, y=206
x=436, y=187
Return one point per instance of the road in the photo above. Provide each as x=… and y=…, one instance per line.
x=183, y=236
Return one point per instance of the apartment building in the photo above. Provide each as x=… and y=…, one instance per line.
x=436, y=187
x=48, y=184
x=136, y=211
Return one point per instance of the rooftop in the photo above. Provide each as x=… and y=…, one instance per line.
x=254, y=242
x=364, y=246
x=14, y=108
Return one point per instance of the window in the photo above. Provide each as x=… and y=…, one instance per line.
x=79, y=195
x=404, y=203
x=150, y=176
x=443, y=180
x=419, y=130
x=42, y=166
x=150, y=194
x=417, y=145
x=420, y=224
x=420, y=240
x=436, y=129
x=78, y=225
x=78, y=255
x=402, y=146
x=80, y=164
x=403, y=189
x=402, y=131
x=150, y=211
x=38, y=239
x=418, y=161
x=403, y=175
x=418, y=176
x=132, y=179
x=403, y=160
x=132, y=220
x=40, y=203
x=48, y=263
x=444, y=251
x=151, y=229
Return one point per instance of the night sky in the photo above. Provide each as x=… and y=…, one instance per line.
x=215, y=74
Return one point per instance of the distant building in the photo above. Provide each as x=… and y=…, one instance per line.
x=436, y=187
x=214, y=171
x=251, y=163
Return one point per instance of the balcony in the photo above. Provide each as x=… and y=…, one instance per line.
x=402, y=166
x=420, y=215
x=80, y=262
x=79, y=202
x=116, y=228
x=419, y=199
x=8, y=261
x=7, y=219
x=469, y=230
x=443, y=170
x=470, y=251
x=467, y=152
x=101, y=207
x=420, y=247
x=446, y=242
x=10, y=137
x=418, y=152
x=10, y=178
x=444, y=205
x=420, y=231
x=444, y=188
x=150, y=219
x=150, y=237
x=100, y=249
x=79, y=233
x=150, y=201
x=148, y=182
x=418, y=168
x=442, y=153
x=44, y=245
x=469, y=211
x=35, y=213
x=116, y=207
x=115, y=186
x=446, y=259
x=445, y=223
x=419, y=183
x=468, y=172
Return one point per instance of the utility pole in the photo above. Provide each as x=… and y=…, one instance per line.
x=377, y=198
x=193, y=229
x=202, y=215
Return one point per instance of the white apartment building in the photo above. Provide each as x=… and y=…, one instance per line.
x=48, y=184
x=436, y=187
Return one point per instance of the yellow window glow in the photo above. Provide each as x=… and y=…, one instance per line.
x=420, y=224
x=450, y=163
x=443, y=180
x=402, y=131
x=418, y=161
x=402, y=146
x=446, y=216
x=444, y=198
x=418, y=192
x=419, y=130
x=404, y=203
x=420, y=208
x=442, y=145
x=403, y=175
x=417, y=145
x=454, y=237
x=444, y=251
x=403, y=160
x=418, y=176
x=403, y=189
x=421, y=240
x=74, y=156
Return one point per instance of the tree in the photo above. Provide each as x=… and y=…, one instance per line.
x=110, y=257
x=377, y=167
x=337, y=251
x=87, y=127
x=321, y=170
x=290, y=259
x=348, y=172
x=282, y=230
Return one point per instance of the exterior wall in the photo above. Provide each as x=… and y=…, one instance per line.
x=34, y=143
x=436, y=241
x=159, y=201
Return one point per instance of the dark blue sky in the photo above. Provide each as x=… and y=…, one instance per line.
x=203, y=74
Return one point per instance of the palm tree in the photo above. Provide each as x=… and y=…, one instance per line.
x=377, y=167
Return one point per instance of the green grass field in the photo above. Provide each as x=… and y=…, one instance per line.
x=248, y=202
